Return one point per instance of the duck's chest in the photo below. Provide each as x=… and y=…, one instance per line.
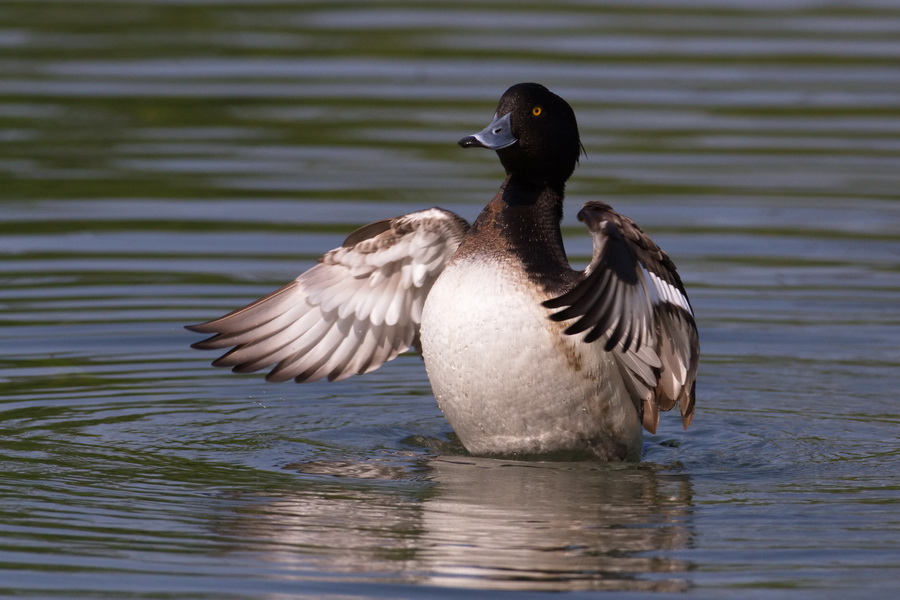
x=485, y=334
x=483, y=318
x=506, y=377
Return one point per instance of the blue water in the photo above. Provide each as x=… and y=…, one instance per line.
x=164, y=162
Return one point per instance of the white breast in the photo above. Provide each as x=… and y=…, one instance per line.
x=507, y=378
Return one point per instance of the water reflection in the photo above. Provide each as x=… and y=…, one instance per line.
x=482, y=523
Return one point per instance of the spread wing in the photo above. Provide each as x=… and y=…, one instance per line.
x=358, y=308
x=631, y=298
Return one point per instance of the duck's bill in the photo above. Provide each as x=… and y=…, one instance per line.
x=496, y=136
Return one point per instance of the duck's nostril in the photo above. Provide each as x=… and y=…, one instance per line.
x=496, y=136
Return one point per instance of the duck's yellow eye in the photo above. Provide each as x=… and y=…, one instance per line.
x=537, y=110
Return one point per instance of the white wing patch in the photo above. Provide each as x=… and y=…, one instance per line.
x=663, y=291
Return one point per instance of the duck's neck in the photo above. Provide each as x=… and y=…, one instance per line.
x=523, y=221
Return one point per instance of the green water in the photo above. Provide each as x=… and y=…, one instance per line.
x=163, y=162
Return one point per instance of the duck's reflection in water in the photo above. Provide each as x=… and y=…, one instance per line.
x=551, y=526
x=483, y=523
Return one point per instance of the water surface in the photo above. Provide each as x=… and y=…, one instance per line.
x=163, y=162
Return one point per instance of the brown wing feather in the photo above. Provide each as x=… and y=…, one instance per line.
x=631, y=297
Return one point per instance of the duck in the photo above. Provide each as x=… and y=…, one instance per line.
x=527, y=357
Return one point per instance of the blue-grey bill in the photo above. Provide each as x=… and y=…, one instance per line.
x=496, y=136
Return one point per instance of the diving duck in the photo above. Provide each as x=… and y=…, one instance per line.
x=527, y=357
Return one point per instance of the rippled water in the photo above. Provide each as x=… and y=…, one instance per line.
x=162, y=162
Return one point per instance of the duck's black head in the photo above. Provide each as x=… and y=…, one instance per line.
x=535, y=135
